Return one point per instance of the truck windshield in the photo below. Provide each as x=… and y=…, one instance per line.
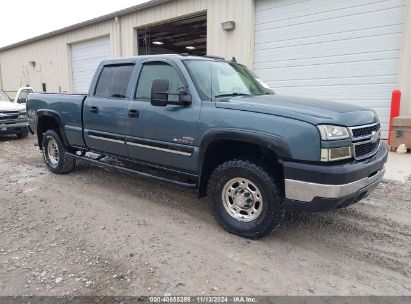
x=4, y=97
x=218, y=79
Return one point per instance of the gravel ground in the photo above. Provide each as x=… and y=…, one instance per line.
x=96, y=232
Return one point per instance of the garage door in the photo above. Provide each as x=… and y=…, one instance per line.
x=85, y=58
x=340, y=50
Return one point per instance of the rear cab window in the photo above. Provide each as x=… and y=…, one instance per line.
x=113, y=81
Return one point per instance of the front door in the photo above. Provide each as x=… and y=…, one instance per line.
x=162, y=135
x=104, y=112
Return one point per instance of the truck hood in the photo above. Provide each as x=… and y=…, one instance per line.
x=310, y=110
x=10, y=106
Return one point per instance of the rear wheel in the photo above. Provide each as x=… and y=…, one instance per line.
x=245, y=199
x=54, y=154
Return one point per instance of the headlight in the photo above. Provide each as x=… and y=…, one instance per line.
x=329, y=132
x=335, y=154
x=23, y=113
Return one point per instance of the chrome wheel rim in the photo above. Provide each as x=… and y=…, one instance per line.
x=242, y=199
x=53, y=152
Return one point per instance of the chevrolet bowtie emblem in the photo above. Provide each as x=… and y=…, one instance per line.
x=375, y=136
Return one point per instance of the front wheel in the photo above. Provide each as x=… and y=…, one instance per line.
x=54, y=154
x=245, y=199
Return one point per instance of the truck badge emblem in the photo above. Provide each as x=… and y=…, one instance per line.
x=375, y=136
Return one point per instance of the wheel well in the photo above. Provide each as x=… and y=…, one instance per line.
x=223, y=150
x=45, y=123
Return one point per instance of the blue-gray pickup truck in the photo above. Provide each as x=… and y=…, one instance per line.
x=211, y=124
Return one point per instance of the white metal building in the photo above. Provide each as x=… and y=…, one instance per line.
x=353, y=51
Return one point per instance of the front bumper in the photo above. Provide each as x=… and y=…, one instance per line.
x=13, y=128
x=328, y=187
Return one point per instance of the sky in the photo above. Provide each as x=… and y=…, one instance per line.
x=23, y=19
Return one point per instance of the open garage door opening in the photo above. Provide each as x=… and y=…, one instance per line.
x=183, y=36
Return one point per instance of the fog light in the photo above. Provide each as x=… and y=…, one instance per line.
x=335, y=154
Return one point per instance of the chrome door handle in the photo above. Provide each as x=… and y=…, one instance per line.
x=133, y=114
x=94, y=110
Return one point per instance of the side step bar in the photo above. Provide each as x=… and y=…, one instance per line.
x=102, y=164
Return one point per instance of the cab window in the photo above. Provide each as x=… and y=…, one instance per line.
x=113, y=81
x=158, y=70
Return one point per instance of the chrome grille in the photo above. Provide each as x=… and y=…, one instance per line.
x=9, y=115
x=366, y=140
x=363, y=150
x=365, y=131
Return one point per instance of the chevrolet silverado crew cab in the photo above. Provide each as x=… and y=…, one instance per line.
x=211, y=124
x=13, y=117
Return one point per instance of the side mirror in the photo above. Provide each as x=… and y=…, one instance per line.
x=184, y=98
x=21, y=100
x=159, y=92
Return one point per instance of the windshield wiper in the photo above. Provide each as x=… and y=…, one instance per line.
x=231, y=94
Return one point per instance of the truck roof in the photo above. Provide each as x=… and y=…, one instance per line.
x=162, y=56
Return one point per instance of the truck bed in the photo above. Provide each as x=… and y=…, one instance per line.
x=68, y=107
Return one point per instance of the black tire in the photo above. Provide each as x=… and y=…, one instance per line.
x=272, y=210
x=23, y=135
x=65, y=163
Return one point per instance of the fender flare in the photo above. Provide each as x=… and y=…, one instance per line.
x=57, y=118
x=274, y=143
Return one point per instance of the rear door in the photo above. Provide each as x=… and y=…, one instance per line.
x=104, y=110
x=162, y=135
